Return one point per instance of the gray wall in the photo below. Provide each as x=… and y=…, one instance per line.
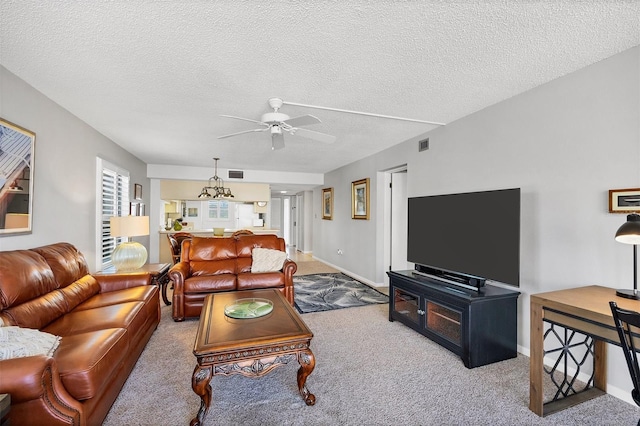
x=64, y=204
x=565, y=143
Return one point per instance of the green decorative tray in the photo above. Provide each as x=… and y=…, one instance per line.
x=248, y=308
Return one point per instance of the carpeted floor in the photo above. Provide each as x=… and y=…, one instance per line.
x=369, y=371
x=324, y=292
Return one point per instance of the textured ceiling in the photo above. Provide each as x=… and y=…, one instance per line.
x=154, y=76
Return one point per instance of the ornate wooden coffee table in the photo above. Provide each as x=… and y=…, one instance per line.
x=252, y=347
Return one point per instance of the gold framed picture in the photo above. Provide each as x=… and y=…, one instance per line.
x=360, y=199
x=327, y=203
x=624, y=200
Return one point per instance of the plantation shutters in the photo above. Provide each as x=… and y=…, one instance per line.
x=115, y=202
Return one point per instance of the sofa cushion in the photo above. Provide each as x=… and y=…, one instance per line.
x=79, y=291
x=86, y=360
x=38, y=312
x=35, y=274
x=209, y=283
x=267, y=260
x=264, y=280
x=207, y=249
x=247, y=243
x=66, y=262
x=213, y=267
x=123, y=315
x=16, y=342
x=141, y=293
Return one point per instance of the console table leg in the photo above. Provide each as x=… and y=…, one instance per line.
x=600, y=366
x=536, y=361
x=200, y=382
x=307, y=364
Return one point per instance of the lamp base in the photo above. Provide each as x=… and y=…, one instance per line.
x=129, y=256
x=629, y=294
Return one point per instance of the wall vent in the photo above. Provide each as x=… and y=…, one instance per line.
x=236, y=174
x=423, y=145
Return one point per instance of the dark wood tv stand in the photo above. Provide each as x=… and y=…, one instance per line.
x=480, y=326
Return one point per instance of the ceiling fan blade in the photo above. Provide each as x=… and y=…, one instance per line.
x=242, y=132
x=316, y=136
x=303, y=120
x=245, y=119
x=277, y=141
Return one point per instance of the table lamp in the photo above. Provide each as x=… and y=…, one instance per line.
x=129, y=255
x=629, y=233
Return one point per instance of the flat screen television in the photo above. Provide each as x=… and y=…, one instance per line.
x=475, y=233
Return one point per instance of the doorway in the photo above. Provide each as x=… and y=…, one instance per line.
x=395, y=220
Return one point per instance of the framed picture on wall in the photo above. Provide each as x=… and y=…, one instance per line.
x=360, y=199
x=16, y=178
x=624, y=200
x=137, y=191
x=327, y=203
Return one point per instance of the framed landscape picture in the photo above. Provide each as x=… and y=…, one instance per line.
x=360, y=199
x=16, y=178
x=327, y=203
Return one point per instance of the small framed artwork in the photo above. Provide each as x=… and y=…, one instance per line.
x=360, y=199
x=136, y=209
x=624, y=200
x=137, y=191
x=327, y=203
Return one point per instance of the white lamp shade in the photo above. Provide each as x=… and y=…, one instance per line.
x=129, y=226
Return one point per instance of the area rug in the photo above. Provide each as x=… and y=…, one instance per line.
x=324, y=292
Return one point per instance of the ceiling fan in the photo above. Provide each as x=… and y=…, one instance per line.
x=277, y=123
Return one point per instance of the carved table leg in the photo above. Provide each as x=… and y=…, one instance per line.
x=307, y=364
x=202, y=387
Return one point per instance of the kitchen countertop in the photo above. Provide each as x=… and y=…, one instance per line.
x=256, y=230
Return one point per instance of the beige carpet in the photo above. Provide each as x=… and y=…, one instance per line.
x=369, y=371
x=314, y=267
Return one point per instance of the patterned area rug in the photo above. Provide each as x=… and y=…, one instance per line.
x=324, y=292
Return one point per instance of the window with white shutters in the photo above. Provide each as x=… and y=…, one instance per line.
x=115, y=202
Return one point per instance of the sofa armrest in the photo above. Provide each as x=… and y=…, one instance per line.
x=289, y=268
x=37, y=392
x=114, y=282
x=178, y=274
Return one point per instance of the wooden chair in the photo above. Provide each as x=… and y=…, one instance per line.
x=175, y=242
x=241, y=232
x=624, y=320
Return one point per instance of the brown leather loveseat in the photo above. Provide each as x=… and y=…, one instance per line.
x=104, y=323
x=213, y=264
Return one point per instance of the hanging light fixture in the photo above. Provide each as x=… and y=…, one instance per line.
x=217, y=190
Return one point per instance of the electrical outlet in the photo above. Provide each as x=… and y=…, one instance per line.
x=340, y=251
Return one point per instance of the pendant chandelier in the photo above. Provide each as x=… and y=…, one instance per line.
x=217, y=190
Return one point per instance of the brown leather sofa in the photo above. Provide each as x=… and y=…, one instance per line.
x=215, y=264
x=105, y=322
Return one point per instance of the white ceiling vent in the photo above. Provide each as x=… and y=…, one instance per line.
x=423, y=145
x=236, y=174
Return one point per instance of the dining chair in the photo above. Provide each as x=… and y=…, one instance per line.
x=628, y=325
x=175, y=243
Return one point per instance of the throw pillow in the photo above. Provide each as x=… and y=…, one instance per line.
x=17, y=342
x=267, y=260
